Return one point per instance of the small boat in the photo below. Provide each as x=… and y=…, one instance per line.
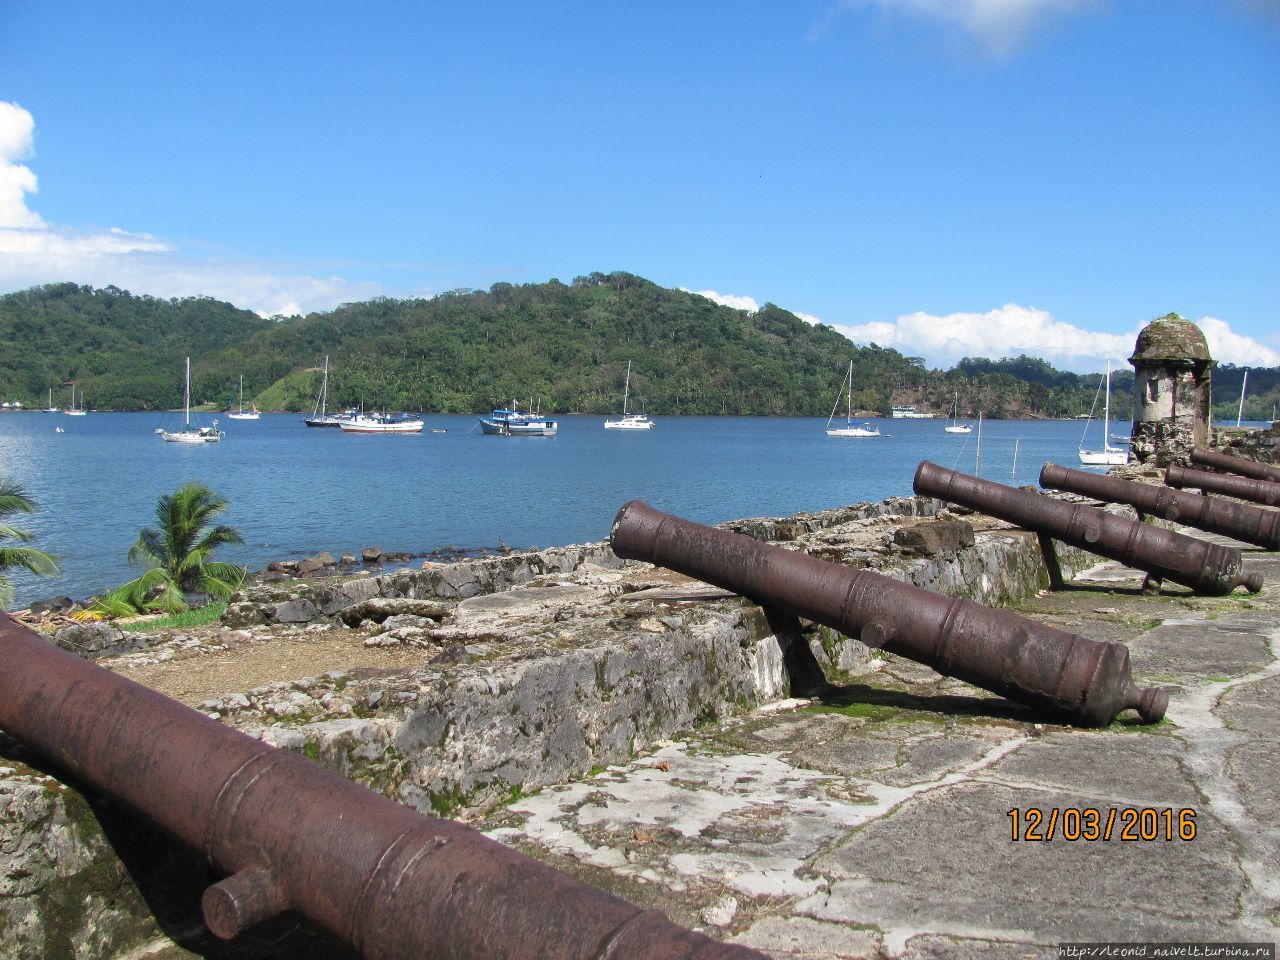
x=511, y=422
x=849, y=430
x=318, y=416
x=51, y=408
x=241, y=413
x=439, y=429
x=955, y=426
x=380, y=423
x=629, y=421
x=1108, y=456
x=58, y=430
x=190, y=433
x=73, y=410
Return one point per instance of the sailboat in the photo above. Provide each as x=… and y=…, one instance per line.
x=190, y=433
x=319, y=418
x=1243, y=384
x=1108, y=456
x=51, y=408
x=849, y=430
x=73, y=410
x=955, y=426
x=242, y=413
x=629, y=421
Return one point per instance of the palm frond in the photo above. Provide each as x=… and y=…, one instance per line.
x=37, y=561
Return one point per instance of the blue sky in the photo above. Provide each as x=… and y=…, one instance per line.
x=948, y=177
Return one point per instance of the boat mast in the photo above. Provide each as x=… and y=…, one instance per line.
x=1243, y=384
x=626, y=391
x=324, y=385
x=848, y=417
x=186, y=398
x=1106, y=412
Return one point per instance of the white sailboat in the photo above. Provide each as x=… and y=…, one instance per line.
x=1108, y=456
x=849, y=430
x=955, y=426
x=629, y=421
x=73, y=410
x=51, y=408
x=189, y=432
x=241, y=413
x=319, y=418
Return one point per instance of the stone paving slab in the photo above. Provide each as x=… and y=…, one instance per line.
x=876, y=822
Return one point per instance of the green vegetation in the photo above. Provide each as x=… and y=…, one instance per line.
x=565, y=346
x=195, y=617
x=178, y=557
x=13, y=499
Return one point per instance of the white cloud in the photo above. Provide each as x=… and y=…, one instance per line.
x=727, y=299
x=33, y=252
x=17, y=130
x=808, y=318
x=1000, y=27
x=1012, y=330
x=1228, y=347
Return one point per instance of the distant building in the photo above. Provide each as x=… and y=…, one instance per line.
x=1171, y=391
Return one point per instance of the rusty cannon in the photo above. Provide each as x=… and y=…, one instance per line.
x=1242, y=466
x=1083, y=681
x=1165, y=555
x=1231, y=519
x=289, y=835
x=1244, y=488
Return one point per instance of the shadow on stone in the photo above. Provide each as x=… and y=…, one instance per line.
x=878, y=703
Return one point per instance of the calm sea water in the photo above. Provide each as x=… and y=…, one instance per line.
x=295, y=491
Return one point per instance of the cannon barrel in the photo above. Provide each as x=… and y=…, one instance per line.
x=1258, y=491
x=1205, y=567
x=1243, y=466
x=1084, y=681
x=291, y=835
x=1227, y=517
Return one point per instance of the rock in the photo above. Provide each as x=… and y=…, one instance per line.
x=98, y=639
x=52, y=605
x=242, y=614
x=380, y=609
x=371, y=555
x=347, y=559
x=722, y=912
x=934, y=537
x=397, y=557
x=310, y=565
x=294, y=611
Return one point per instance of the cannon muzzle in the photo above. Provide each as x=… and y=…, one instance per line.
x=1257, y=491
x=1083, y=681
x=289, y=834
x=1204, y=567
x=1231, y=519
x=1241, y=466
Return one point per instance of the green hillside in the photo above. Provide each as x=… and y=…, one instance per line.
x=562, y=346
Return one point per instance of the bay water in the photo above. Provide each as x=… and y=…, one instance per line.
x=294, y=491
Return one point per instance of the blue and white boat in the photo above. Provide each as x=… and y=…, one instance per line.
x=510, y=422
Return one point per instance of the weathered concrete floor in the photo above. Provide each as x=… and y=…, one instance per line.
x=877, y=822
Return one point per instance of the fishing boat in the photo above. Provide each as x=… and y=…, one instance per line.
x=512, y=422
x=1108, y=456
x=241, y=413
x=190, y=433
x=955, y=426
x=380, y=423
x=319, y=418
x=629, y=421
x=849, y=430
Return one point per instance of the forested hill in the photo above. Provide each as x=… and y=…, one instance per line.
x=565, y=346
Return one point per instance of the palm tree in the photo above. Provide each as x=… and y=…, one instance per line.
x=13, y=499
x=179, y=555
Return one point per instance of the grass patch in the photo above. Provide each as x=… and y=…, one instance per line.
x=195, y=617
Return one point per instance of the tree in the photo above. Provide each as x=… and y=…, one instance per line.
x=13, y=499
x=179, y=556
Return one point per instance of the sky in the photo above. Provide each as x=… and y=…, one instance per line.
x=946, y=177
